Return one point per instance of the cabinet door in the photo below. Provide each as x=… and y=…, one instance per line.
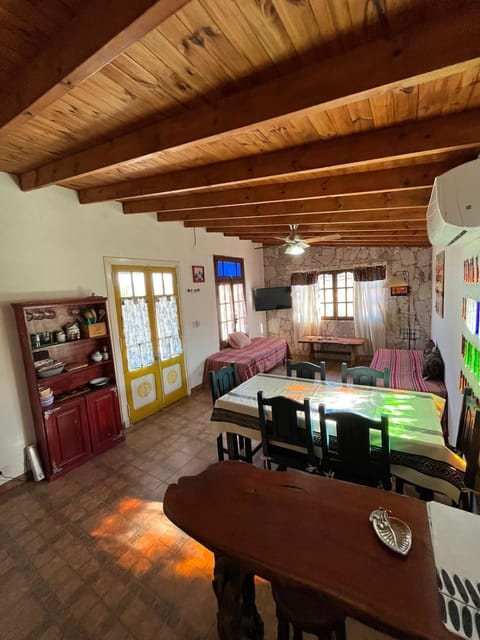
x=104, y=418
x=68, y=440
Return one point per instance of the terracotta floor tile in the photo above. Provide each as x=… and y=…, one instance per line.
x=91, y=556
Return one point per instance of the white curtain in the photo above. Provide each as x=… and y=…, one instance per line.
x=369, y=313
x=306, y=314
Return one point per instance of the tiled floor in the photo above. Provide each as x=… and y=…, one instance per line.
x=91, y=555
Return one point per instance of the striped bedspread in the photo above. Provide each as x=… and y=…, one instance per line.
x=264, y=354
x=406, y=373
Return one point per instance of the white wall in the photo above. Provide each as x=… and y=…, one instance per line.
x=53, y=247
x=447, y=331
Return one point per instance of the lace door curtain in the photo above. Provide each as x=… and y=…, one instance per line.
x=369, y=307
x=306, y=315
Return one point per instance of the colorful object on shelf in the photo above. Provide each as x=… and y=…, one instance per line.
x=471, y=357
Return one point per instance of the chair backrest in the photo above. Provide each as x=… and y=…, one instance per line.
x=467, y=420
x=348, y=449
x=468, y=439
x=365, y=375
x=223, y=380
x=288, y=422
x=307, y=369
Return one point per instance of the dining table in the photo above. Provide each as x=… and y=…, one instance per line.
x=418, y=453
x=317, y=533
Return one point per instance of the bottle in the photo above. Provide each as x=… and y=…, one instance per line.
x=105, y=355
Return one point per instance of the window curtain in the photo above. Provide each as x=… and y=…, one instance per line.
x=306, y=314
x=369, y=307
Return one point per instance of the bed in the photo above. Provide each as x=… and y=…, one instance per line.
x=406, y=367
x=263, y=354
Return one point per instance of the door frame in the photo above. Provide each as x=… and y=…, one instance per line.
x=108, y=263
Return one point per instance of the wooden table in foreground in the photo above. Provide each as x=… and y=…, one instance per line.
x=353, y=343
x=316, y=532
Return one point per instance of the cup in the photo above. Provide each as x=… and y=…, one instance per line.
x=45, y=337
x=35, y=340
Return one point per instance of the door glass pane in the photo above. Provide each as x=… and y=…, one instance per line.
x=157, y=283
x=168, y=284
x=138, y=284
x=125, y=284
x=137, y=333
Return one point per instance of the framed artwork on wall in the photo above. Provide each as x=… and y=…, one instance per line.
x=198, y=273
x=439, y=282
x=399, y=291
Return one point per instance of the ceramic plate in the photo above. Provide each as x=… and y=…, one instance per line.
x=99, y=382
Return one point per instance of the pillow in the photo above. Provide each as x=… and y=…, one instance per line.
x=238, y=340
x=433, y=367
x=429, y=347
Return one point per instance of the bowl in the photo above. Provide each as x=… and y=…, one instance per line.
x=50, y=372
x=99, y=382
x=46, y=402
x=44, y=392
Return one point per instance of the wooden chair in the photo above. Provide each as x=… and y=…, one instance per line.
x=365, y=375
x=468, y=444
x=307, y=369
x=307, y=612
x=286, y=422
x=349, y=454
x=222, y=381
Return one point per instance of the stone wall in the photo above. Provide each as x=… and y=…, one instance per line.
x=416, y=261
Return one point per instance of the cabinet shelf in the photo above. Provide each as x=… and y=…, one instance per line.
x=49, y=345
x=82, y=421
x=49, y=380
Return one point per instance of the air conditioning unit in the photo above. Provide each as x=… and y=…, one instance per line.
x=454, y=207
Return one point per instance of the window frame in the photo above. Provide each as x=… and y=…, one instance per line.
x=335, y=302
x=231, y=280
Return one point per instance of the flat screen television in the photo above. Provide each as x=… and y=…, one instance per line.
x=271, y=298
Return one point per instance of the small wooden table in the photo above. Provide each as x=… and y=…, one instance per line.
x=314, y=531
x=352, y=343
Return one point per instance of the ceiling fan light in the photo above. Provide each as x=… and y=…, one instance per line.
x=294, y=250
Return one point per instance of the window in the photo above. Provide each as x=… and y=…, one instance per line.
x=230, y=286
x=336, y=295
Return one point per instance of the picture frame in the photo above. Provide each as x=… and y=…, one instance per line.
x=439, y=282
x=400, y=291
x=198, y=273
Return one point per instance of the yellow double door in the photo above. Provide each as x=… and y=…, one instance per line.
x=151, y=340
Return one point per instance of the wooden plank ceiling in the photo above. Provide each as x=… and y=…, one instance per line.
x=245, y=116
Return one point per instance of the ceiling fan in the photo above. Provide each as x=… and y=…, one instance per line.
x=294, y=243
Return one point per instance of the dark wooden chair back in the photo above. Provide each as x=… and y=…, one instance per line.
x=307, y=369
x=286, y=422
x=349, y=454
x=223, y=381
x=468, y=445
x=365, y=375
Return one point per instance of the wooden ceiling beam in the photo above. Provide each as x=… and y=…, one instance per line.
x=306, y=230
x=368, y=241
x=340, y=217
x=362, y=202
x=400, y=178
x=418, y=138
x=99, y=33
x=446, y=44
